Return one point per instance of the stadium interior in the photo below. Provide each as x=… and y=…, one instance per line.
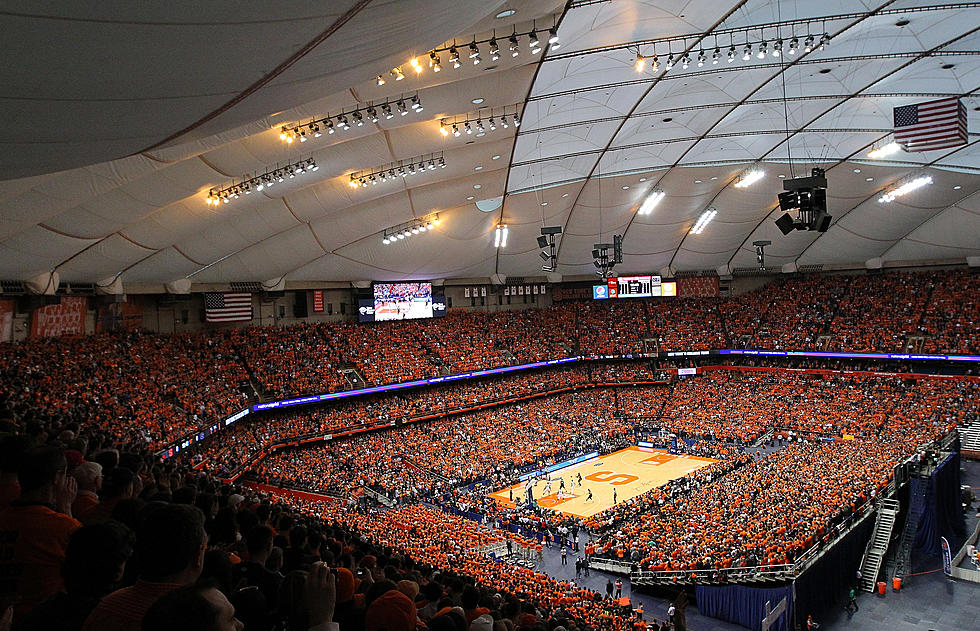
x=496, y=315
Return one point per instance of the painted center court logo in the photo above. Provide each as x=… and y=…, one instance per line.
x=556, y=499
x=658, y=459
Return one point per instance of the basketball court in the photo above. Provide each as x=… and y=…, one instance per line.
x=627, y=473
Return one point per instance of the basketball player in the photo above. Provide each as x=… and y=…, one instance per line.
x=561, y=485
x=589, y=498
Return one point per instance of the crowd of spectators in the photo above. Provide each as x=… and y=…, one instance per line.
x=300, y=359
x=952, y=317
x=770, y=509
x=141, y=388
x=155, y=389
x=105, y=536
x=225, y=452
x=421, y=459
x=163, y=547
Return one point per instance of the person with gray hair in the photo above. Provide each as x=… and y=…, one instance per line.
x=89, y=478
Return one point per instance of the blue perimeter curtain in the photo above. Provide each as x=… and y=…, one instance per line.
x=943, y=514
x=744, y=605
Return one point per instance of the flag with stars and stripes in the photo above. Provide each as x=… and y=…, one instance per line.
x=934, y=125
x=227, y=307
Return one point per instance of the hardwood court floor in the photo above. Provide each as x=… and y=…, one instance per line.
x=629, y=472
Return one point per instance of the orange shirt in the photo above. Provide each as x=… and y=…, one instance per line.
x=33, y=540
x=83, y=504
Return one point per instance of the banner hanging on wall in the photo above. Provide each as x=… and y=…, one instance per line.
x=65, y=318
x=6, y=320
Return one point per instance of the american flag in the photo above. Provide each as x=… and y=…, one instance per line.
x=231, y=307
x=934, y=125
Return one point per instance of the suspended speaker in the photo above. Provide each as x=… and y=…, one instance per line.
x=785, y=223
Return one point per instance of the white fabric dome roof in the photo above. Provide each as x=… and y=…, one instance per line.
x=123, y=116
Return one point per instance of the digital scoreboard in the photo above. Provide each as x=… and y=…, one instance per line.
x=634, y=287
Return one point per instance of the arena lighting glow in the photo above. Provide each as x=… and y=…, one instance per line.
x=566, y=360
x=402, y=168
x=901, y=356
x=750, y=178
x=317, y=398
x=884, y=151
x=703, y=221
x=260, y=182
x=474, y=121
x=305, y=131
x=651, y=202
x=905, y=189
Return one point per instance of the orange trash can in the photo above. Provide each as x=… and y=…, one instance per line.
x=881, y=587
x=896, y=583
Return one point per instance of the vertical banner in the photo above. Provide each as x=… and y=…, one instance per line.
x=466, y=292
x=483, y=292
x=6, y=320
x=947, y=558
x=120, y=316
x=65, y=318
x=317, y=300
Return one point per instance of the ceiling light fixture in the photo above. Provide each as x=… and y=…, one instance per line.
x=651, y=202
x=500, y=236
x=749, y=178
x=553, y=38
x=884, y=151
x=703, y=221
x=409, y=229
x=388, y=172
x=304, y=131
x=474, y=122
x=260, y=182
x=905, y=189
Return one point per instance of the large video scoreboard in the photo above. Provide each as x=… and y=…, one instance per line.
x=634, y=287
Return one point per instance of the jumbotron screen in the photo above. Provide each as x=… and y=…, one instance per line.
x=634, y=287
x=402, y=301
